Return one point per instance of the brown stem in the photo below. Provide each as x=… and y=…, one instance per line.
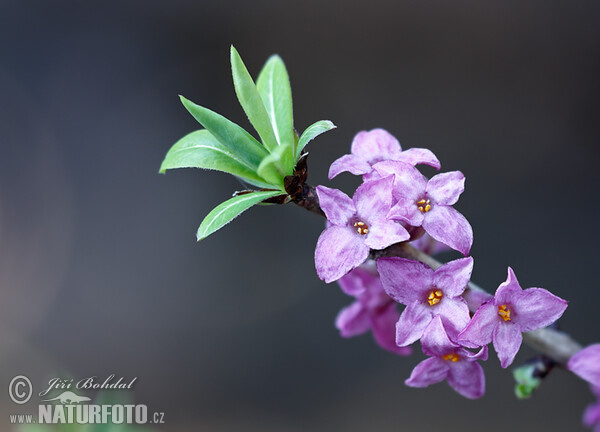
x=554, y=343
x=309, y=200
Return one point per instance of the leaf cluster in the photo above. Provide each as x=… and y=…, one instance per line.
x=225, y=146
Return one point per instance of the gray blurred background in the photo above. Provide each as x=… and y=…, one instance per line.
x=99, y=269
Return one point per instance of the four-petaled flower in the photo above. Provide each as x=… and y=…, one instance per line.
x=375, y=146
x=355, y=226
x=449, y=361
x=373, y=309
x=426, y=294
x=586, y=364
x=512, y=311
x=428, y=203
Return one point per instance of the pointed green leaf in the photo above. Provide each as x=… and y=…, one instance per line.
x=233, y=137
x=229, y=210
x=200, y=149
x=277, y=165
x=251, y=101
x=273, y=85
x=312, y=132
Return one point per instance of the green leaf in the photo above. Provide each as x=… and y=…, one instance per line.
x=233, y=137
x=277, y=165
x=229, y=210
x=273, y=85
x=200, y=149
x=311, y=132
x=251, y=101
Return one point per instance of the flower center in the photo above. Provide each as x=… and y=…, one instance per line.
x=504, y=312
x=361, y=228
x=424, y=205
x=435, y=297
x=451, y=357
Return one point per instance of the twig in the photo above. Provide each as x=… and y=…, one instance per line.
x=551, y=342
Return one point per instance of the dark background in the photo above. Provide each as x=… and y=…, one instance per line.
x=99, y=269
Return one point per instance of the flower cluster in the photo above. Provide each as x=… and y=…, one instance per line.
x=397, y=203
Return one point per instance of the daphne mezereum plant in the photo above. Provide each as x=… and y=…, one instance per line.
x=378, y=244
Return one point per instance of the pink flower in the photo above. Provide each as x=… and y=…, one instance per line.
x=428, y=203
x=586, y=364
x=373, y=309
x=426, y=294
x=512, y=311
x=355, y=226
x=448, y=361
x=375, y=146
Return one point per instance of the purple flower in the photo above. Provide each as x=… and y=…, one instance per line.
x=375, y=146
x=586, y=364
x=428, y=203
x=373, y=309
x=355, y=226
x=426, y=294
x=512, y=311
x=449, y=361
x=591, y=415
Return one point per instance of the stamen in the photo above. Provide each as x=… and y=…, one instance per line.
x=424, y=205
x=451, y=357
x=361, y=228
x=504, y=312
x=435, y=297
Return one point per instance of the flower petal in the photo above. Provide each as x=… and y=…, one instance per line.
x=385, y=233
x=537, y=308
x=507, y=340
x=435, y=340
x=591, y=415
x=371, y=175
x=480, y=329
x=412, y=323
x=586, y=364
x=338, y=206
x=373, y=199
x=406, y=281
x=467, y=355
x=383, y=325
x=353, y=320
x=415, y=156
x=408, y=181
x=476, y=298
x=406, y=210
x=467, y=378
x=509, y=291
x=430, y=371
x=454, y=313
x=453, y=277
x=339, y=250
x=357, y=281
x=447, y=225
x=351, y=163
x=375, y=145
x=445, y=189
